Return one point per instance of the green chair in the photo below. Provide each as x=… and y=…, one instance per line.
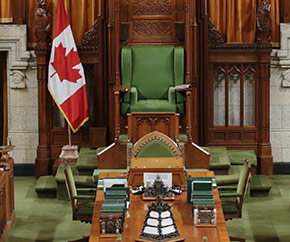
x=152, y=73
x=82, y=199
x=232, y=201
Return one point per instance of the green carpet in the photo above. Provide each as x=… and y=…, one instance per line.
x=265, y=219
x=42, y=220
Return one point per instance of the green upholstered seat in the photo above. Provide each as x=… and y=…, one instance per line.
x=88, y=161
x=156, y=148
x=230, y=207
x=152, y=72
x=219, y=160
x=46, y=187
x=237, y=157
x=85, y=209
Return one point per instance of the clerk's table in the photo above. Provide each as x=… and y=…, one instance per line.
x=135, y=216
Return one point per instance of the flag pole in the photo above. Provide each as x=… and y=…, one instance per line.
x=69, y=135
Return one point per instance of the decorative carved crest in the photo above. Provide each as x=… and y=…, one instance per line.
x=155, y=135
x=215, y=37
x=152, y=7
x=263, y=19
x=90, y=39
x=42, y=20
x=153, y=121
x=152, y=28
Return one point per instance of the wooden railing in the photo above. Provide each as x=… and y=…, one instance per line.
x=7, y=214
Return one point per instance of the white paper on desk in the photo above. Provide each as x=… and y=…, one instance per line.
x=165, y=214
x=152, y=222
x=109, y=182
x=151, y=230
x=149, y=178
x=166, y=222
x=154, y=214
x=168, y=230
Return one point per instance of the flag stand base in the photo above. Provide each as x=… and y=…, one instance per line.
x=69, y=152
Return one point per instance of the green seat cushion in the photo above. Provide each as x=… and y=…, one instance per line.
x=230, y=207
x=156, y=148
x=182, y=137
x=87, y=160
x=238, y=157
x=153, y=105
x=85, y=209
x=219, y=158
x=87, y=150
x=260, y=183
x=46, y=183
x=96, y=172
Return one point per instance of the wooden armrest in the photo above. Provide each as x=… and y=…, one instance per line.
x=121, y=89
x=182, y=88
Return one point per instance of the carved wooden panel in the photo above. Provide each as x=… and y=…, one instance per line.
x=151, y=21
x=140, y=124
x=152, y=28
x=152, y=7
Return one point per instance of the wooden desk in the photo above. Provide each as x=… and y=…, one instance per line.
x=160, y=165
x=137, y=211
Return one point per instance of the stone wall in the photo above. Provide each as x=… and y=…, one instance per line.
x=22, y=93
x=280, y=98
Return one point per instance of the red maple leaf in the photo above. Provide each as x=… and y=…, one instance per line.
x=63, y=65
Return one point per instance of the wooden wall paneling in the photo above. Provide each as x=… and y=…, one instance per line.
x=42, y=51
x=284, y=11
x=19, y=11
x=203, y=70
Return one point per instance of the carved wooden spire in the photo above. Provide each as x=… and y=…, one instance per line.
x=263, y=19
x=215, y=37
x=43, y=20
x=90, y=40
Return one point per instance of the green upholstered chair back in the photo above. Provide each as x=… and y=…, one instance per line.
x=70, y=183
x=152, y=70
x=244, y=180
x=156, y=148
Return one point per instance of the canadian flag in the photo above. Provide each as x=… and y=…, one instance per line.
x=66, y=79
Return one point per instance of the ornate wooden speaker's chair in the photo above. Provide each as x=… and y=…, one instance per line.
x=152, y=81
x=232, y=201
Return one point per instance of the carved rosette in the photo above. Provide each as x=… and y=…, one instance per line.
x=263, y=21
x=215, y=37
x=90, y=40
x=43, y=24
x=152, y=7
x=152, y=28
